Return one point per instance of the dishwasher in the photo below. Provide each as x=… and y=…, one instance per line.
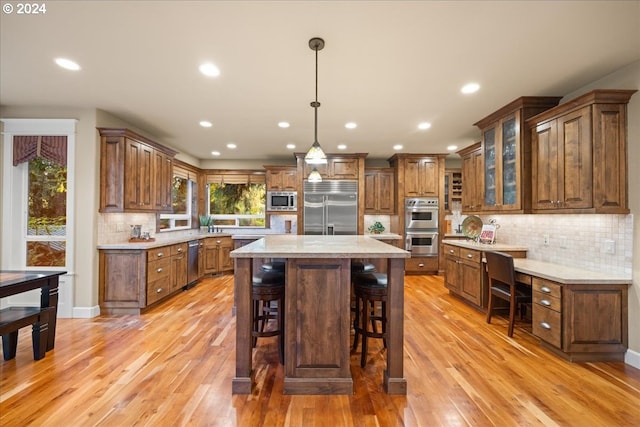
x=192, y=263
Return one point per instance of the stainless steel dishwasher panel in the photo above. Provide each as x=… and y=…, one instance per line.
x=192, y=263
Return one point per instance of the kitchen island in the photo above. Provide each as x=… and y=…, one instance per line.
x=317, y=311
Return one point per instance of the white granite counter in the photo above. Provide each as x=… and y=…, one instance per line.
x=384, y=236
x=159, y=242
x=469, y=244
x=567, y=275
x=303, y=246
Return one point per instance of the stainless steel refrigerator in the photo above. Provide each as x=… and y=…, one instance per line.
x=331, y=207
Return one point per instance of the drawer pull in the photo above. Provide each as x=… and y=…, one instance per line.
x=179, y=249
x=545, y=289
x=545, y=302
x=160, y=254
x=159, y=270
x=158, y=290
x=218, y=241
x=545, y=325
x=421, y=265
x=469, y=255
x=451, y=251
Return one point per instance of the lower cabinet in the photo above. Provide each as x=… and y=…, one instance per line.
x=465, y=274
x=131, y=280
x=217, y=258
x=581, y=322
x=421, y=265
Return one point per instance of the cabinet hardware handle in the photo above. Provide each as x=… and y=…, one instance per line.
x=545, y=289
x=451, y=251
x=545, y=302
x=469, y=255
x=179, y=249
x=160, y=254
x=158, y=290
x=421, y=265
x=159, y=270
x=545, y=325
x=218, y=241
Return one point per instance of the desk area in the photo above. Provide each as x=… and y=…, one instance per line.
x=317, y=311
x=13, y=282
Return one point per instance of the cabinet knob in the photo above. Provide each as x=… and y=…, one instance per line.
x=159, y=270
x=218, y=241
x=545, y=289
x=451, y=251
x=158, y=290
x=469, y=255
x=421, y=265
x=545, y=325
x=160, y=254
x=545, y=302
x=179, y=249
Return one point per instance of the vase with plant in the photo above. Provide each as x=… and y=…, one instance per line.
x=205, y=222
x=376, y=228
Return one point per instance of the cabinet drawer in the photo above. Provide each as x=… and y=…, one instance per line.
x=546, y=325
x=179, y=249
x=547, y=287
x=419, y=264
x=158, y=289
x=470, y=255
x=158, y=269
x=547, y=301
x=157, y=253
x=451, y=251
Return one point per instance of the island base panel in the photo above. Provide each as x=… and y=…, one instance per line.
x=323, y=386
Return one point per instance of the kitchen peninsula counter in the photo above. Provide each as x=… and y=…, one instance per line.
x=317, y=311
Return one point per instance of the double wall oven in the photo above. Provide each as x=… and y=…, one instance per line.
x=421, y=226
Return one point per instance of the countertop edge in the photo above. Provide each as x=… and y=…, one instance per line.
x=567, y=275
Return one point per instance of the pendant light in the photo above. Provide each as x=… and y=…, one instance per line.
x=315, y=155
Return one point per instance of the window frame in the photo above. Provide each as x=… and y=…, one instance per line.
x=253, y=176
x=177, y=217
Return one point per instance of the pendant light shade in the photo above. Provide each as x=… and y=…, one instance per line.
x=314, y=176
x=315, y=155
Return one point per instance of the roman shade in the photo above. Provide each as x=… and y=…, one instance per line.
x=29, y=147
x=236, y=178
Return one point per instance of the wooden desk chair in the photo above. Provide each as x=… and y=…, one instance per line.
x=503, y=285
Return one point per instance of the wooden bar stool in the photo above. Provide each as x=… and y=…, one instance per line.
x=369, y=288
x=267, y=288
x=273, y=266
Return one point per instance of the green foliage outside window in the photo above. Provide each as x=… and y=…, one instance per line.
x=238, y=200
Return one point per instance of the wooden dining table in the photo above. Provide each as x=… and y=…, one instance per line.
x=317, y=311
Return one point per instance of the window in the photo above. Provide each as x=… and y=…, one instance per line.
x=46, y=232
x=236, y=199
x=181, y=192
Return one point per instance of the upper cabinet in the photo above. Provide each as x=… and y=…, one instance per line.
x=135, y=173
x=579, y=157
x=506, y=169
x=418, y=175
x=281, y=178
x=337, y=166
x=379, y=191
x=472, y=178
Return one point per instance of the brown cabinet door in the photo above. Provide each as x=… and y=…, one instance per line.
x=343, y=168
x=211, y=259
x=575, y=164
x=226, y=262
x=473, y=182
x=370, y=192
x=139, y=176
x=163, y=178
x=386, y=193
x=452, y=282
x=421, y=177
x=545, y=166
x=470, y=281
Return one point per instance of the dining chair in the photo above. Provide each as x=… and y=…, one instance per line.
x=503, y=285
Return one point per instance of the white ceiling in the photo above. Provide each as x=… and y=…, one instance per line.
x=387, y=65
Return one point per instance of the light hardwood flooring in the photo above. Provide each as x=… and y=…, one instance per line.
x=173, y=366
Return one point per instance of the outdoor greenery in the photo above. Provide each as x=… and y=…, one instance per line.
x=238, y=199
x=47, y=205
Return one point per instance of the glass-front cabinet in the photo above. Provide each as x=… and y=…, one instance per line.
x=506, y=151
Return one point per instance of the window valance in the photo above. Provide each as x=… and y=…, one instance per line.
x=29, y=147
x=236, y=178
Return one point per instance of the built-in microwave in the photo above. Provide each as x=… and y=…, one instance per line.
x=282, y=201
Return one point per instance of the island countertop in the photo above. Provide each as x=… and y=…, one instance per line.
x=305, y=246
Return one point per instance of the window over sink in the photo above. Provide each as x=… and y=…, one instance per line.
x=236, y=198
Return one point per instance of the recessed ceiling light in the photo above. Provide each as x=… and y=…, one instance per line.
x=291, y=146
x=215, y=153
x=284, y=125
x=205, y=124
x=397, y=147
x=342, y=147
x=452, y=147
x=351, y=125
x=424, y=125
x=209, y=70
x=67, y=64
x=470, y=88
x=231, y=145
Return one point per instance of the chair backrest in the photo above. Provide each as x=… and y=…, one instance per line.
x=500, y=268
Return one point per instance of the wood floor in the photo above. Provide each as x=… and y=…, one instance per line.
x=173, y=367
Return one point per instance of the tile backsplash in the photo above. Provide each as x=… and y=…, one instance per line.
x=602, y=243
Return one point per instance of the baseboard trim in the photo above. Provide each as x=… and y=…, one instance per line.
x=86, y=312
x=632, y=358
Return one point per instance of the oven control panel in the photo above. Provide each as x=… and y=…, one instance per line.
x=421, y=202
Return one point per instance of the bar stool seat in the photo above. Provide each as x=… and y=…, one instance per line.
x=362, y=267
x=273, y=266
x=268, y=287
x=369, y=288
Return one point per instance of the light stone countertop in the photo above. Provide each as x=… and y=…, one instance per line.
x=567, y=275
x=306, y=246
x=468, y=244
x=384, y=236
x=159, y=242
